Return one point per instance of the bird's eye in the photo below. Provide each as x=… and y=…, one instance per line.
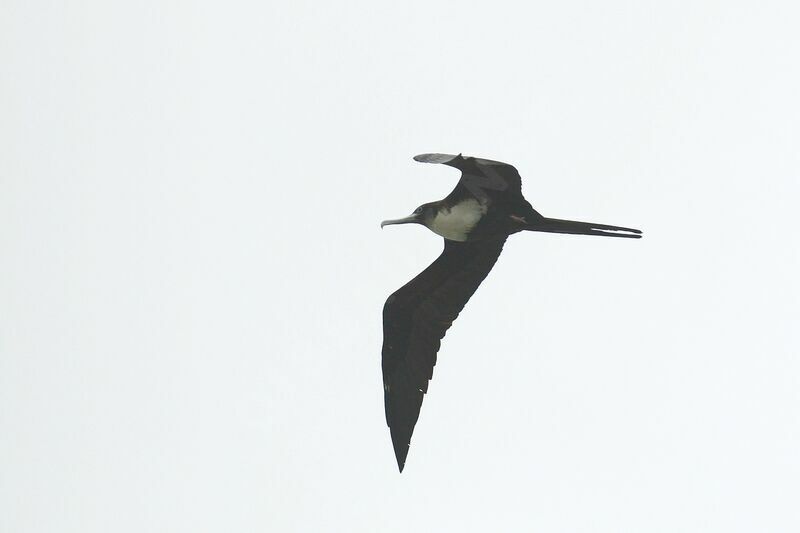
x=417, y=211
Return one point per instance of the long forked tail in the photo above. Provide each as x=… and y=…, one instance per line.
x=555, y=225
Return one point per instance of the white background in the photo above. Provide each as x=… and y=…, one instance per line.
x=192, y=271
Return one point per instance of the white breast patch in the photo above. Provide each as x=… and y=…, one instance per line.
x=456, y=223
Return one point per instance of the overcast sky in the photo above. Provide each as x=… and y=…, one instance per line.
x=192, y=271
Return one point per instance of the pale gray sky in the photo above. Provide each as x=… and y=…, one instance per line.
x=192, y=268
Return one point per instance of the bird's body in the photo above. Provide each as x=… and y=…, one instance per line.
x=457, y=221
x=475, y=219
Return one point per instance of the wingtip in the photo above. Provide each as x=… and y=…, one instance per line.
x=435, y=158
x=401, y=447
x=400, y=453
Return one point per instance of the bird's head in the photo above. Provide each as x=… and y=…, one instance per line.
x=424, y=214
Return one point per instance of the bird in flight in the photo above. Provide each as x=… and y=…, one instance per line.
x=475, y=220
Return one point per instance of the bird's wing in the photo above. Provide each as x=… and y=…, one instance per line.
x=415, y=318
x=483, y=178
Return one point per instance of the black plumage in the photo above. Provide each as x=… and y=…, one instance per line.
x=476, y=218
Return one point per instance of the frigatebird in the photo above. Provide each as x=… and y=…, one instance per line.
x=475, y=219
